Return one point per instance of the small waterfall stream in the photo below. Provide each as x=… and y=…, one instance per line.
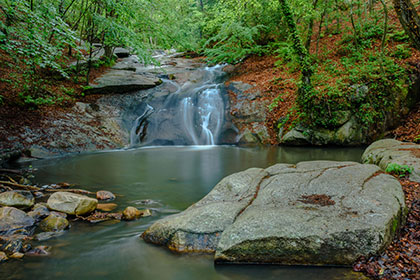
x=193, y=114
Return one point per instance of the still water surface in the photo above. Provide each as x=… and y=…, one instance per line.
x=173, y=178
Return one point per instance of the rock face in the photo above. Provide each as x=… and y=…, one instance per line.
x=70, y=203
x=348, y=133
x=317, y=213
x=20, y=199
x=248, y=112
x=384, y=152
x=13, y=220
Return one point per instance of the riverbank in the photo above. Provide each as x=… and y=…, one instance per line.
x=266, y=109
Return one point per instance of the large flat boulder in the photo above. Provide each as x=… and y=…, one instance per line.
x=386, y=151
x=312, y=213
x=71, y=203
x=122, y=81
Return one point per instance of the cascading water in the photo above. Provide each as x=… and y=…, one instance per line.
x=205, y=113
x=191, y=114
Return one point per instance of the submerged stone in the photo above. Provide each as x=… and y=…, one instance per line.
x=312, y=213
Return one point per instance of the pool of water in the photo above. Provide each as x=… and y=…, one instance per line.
x=172, y=178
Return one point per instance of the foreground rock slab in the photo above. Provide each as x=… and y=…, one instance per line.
x=312, y=213
x=71, y=203
x=384, y=152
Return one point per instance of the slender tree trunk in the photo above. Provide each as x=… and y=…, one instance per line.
x=304, y=91
x=409, y=19
x=310, y=27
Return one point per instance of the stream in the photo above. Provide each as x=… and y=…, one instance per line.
x=175, y=158
x=167, y=180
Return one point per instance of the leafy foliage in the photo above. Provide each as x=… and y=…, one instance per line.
x=399, y=170
x=233, y=43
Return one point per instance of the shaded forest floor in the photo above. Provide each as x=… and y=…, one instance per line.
x=15, y=116
x=272, y=81
x=402, y=258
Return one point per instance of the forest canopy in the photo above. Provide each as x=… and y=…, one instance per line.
x=41, y=37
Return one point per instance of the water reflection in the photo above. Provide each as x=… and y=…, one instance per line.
x=173, y=178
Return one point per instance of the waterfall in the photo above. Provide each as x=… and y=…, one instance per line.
x=138, y=129
x=206, y=114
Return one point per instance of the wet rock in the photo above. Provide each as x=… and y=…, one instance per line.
x=70, y=203
x=26, y=247
x=131, y=213
x=59, y=214
x=107, y=207
x=312, y=213
x=54, y=223
x=17, y=255
x=19, y=199
x=105, y=195
x=43, y=236
x=295, y=137
x=346, y=134
x=39, y=212
x=145, y=213
x=13, y=221
x=384, y=152
x=3, y=257
x=39, y=251
x=13, y=246
x=98, y=217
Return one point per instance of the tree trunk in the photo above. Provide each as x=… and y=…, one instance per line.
x=303, y=96
x=409, y=19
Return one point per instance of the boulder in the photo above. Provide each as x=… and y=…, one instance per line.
x=39, y=212
x=54, y=223
x=131, y=213
x=19, y=199
x=122, y=81
x=17, y=255
x=386, y=151
x=348, y=133
x=71, y=203
x=39, y=251
x=107, y=207
x=105, y=195
x=13, y=220
x=312, y=213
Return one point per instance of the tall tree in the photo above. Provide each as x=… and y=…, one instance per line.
x=409, y=19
